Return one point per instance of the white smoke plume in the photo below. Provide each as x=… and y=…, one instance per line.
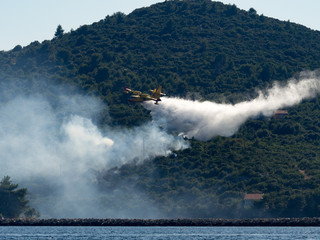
x=53, y=147
x=204, y=120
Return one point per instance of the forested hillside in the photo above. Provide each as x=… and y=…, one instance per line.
x=200, y=50
x=187, y=46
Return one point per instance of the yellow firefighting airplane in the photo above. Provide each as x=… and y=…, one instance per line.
x=138, y=96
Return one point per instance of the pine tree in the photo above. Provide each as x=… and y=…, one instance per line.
x=13, y=201
x=59, y=32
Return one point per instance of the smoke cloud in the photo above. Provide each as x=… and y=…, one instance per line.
x=53, y=148
x=204, y=120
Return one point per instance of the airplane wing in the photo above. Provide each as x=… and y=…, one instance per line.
x=135, y=96
x=134, y=92
x=127, y=90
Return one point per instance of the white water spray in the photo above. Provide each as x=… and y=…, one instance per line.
x=204, y=120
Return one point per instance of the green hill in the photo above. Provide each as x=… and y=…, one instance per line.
x=193, y=48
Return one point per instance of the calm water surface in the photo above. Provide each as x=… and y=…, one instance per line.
x=152, y=233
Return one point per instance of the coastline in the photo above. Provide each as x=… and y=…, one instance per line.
x=290, y=222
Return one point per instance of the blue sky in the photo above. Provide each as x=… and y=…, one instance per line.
x=23, y=22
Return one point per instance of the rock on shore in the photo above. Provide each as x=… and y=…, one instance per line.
x=163, y=222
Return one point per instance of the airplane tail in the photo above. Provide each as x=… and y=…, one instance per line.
x=157, y=93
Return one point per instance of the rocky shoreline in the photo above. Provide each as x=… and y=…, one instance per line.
x=163, y=222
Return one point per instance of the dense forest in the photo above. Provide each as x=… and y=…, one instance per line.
x=196, y=49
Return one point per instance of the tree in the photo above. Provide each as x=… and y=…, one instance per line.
x=232, y=10
x=252, y=11
x=13, y=201
x=59, y=32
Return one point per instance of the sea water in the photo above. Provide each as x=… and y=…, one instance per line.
x=155, y=233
